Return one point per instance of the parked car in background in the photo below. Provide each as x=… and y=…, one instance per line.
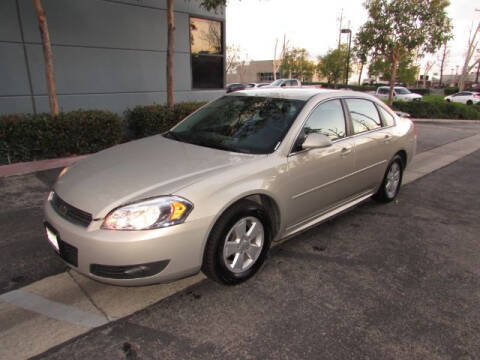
x=464, y=97
x=400, y=93
x=256, y=85
x=235, y=87
x=211, y=194
x=286, y=83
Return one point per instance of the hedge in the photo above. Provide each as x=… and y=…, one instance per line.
x=150, y=120
x=438, y=110
x=33, y=137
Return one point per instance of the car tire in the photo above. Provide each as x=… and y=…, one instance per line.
x=448, y=100
x=392, y=181
x=225, y=267
x=469, y=102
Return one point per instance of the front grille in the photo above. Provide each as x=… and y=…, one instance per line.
x=70, y=212
x=68, y=252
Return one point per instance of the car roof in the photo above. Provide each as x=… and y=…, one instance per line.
x=298, y=93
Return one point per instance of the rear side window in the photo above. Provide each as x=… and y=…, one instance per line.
x=383, y=91
x=364, y=115
x=387, y=118
x=327, y=119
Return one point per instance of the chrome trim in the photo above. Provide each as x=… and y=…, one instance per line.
x=336, y=180
x=326, y=215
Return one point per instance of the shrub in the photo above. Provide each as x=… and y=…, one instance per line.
x=33, y=137
x=154, y=119
x=438, y=110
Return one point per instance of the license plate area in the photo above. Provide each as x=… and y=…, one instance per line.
x=66, y=251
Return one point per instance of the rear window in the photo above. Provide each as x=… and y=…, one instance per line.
x=364, y=115
x=388, y=119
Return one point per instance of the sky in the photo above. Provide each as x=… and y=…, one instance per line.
x=313, y=24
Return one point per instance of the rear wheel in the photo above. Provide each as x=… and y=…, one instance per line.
x=238, y=243
x=448, y=100
x=469, y=102
x=391, y=182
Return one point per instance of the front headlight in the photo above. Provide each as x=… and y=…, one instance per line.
x=149, y=214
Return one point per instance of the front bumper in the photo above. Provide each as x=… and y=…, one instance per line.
x=175, y=251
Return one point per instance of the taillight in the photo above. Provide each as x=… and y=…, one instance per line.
x=476, y=95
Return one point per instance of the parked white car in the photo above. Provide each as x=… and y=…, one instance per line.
x=400, y=93
x=285, y=83
x=464, y=97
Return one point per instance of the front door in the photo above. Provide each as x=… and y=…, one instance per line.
x=319, y=178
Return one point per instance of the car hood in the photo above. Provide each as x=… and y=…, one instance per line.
x=139, y=169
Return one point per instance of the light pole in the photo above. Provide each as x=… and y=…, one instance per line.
x=349, y=32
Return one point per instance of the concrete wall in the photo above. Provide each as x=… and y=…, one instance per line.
x=108, y=54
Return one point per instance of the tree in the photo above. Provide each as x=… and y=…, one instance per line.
x=360, y=53
x=278, y=62
x=208, y=5
x=396, y=26
x=295, y=63
x=48, y=56
x=406, y=71
x=332, y=65
x=232, y=58
x=428, y=66
x=471, y=49
x=443, y=60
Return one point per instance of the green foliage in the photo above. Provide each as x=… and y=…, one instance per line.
x=438, y=110
x=154, y=119
x=396, y=27
x=33, y=137
x=406, y=71
x=333, y=65
x=212, y=4
x=295, y=64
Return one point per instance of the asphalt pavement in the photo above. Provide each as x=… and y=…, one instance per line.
x=390, y=281
x=395, y=281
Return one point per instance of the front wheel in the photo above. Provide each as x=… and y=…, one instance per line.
x=238, y=243
x=469, y=102
x=391, y=182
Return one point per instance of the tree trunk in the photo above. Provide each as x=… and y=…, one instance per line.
x=170, y=47
x=47, y=53
x=442, y=65
x=360, y=75
x=392, y=79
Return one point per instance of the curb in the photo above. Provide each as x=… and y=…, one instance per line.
x=23, y=168
x=446, y=121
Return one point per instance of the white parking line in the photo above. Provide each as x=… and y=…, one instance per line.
x=53, y=309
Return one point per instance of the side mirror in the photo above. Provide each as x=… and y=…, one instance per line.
x=316, y=141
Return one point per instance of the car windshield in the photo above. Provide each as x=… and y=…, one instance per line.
x=246, y=124
x=277, y=82
x=402, y=91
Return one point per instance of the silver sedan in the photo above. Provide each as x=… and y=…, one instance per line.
x=215, y=191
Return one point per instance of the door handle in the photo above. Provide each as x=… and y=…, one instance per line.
x=345, y=151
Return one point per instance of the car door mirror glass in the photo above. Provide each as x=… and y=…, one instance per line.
x=316, y=141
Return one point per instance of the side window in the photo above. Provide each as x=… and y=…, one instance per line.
x=364, y=115
x=327, y=119
x=387, y=118
x=383, y=91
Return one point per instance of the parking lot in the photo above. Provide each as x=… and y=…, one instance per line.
x=393, y=281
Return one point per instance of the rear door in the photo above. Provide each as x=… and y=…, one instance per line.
x=372, y=143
